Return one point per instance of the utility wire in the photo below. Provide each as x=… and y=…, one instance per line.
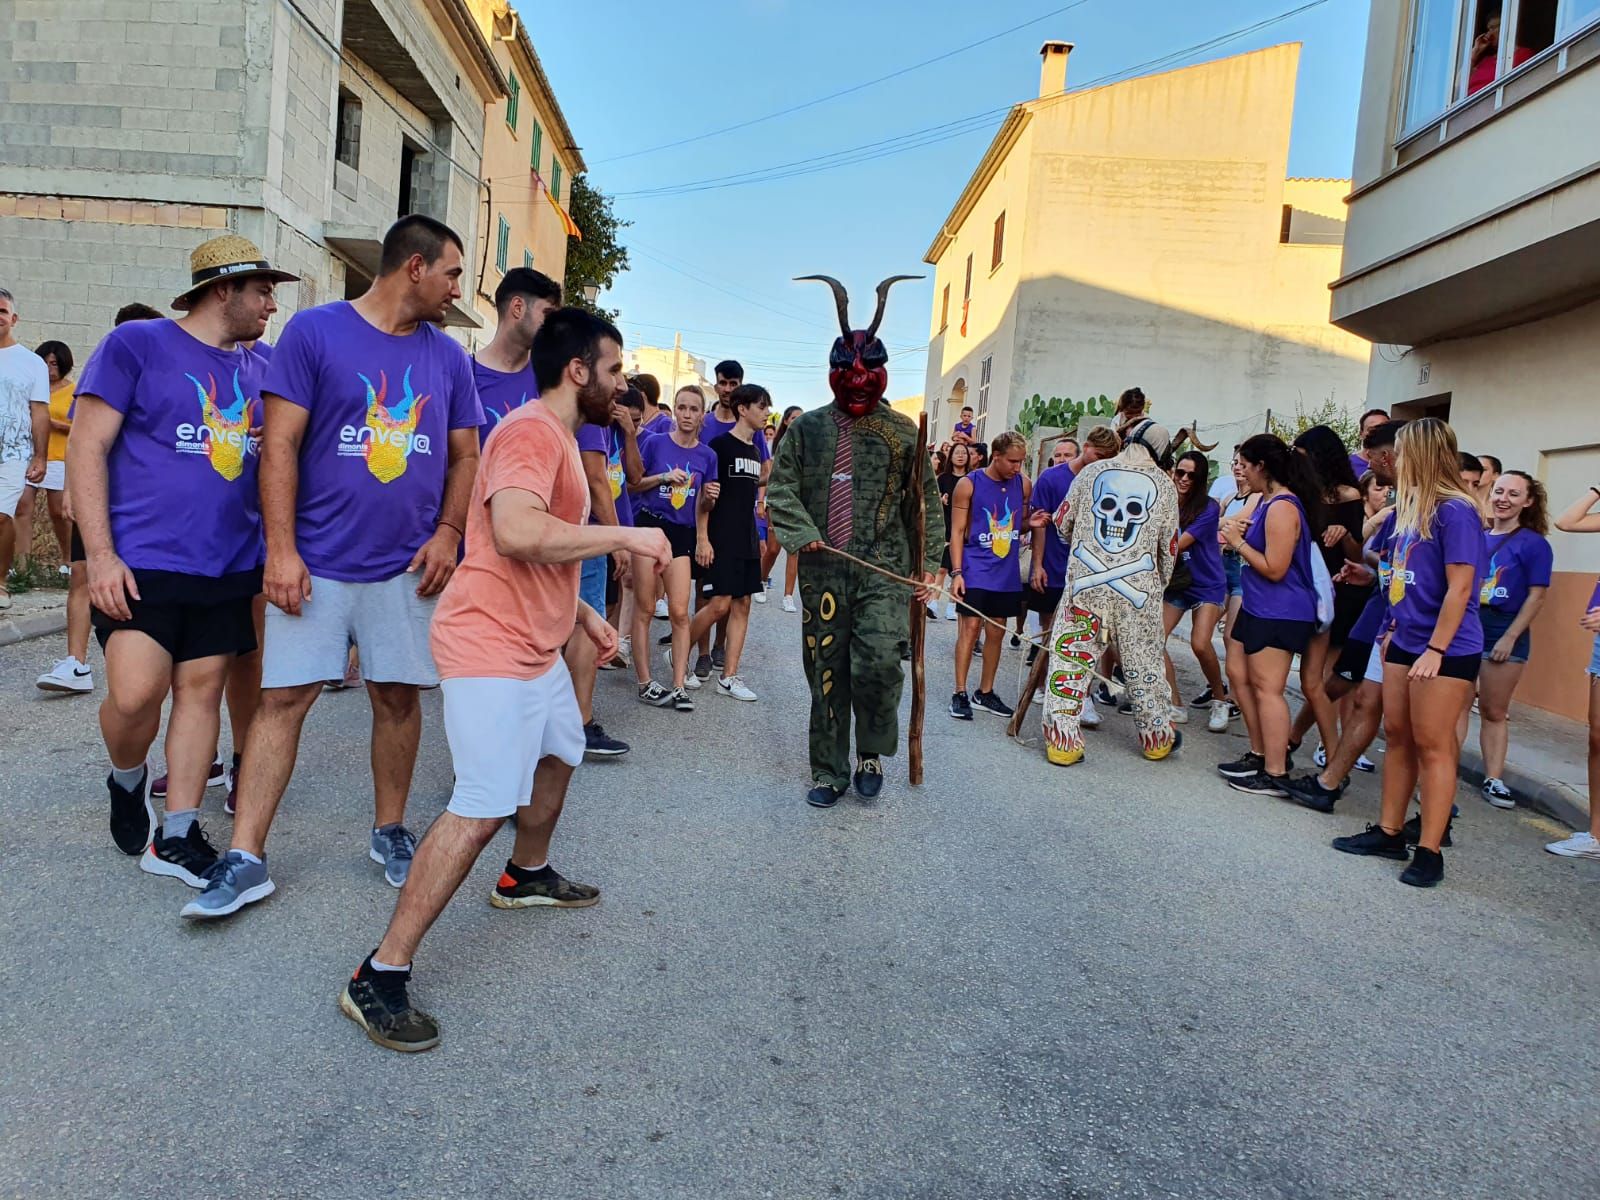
x=859, y=87
x=945, y=131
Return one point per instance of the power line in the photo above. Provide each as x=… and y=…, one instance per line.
x=945, y=131
x=859, y=87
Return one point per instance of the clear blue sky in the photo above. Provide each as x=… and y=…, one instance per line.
x=632, y=75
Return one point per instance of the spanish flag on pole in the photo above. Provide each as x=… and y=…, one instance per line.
x=567, y=222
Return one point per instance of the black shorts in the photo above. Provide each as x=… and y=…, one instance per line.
x=999, y=606
x=679, y=537
x=1353, y=660
x=1256, y=634
x=733, y=577
x=1451, y=666
x=1042, y=602
x=944, y=559
x=613, y=588
x=1349, y=602
x=77, y=553
x=189, y=616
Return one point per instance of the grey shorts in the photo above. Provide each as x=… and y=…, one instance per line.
x=386, y=621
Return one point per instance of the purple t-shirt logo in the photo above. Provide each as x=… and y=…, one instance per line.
x=388, y=437
x=223, y=434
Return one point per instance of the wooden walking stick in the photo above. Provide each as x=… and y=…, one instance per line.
x=1041, y=663
x=919, y=607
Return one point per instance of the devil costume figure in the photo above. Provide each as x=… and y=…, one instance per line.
x=843, y=478
x=1121, y=520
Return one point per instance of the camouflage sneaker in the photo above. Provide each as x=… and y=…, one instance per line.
x=549, y=890
x=377, y=1001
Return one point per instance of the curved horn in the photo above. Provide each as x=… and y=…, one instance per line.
x=1194, y=437
x=840, y=297
x=883, y=299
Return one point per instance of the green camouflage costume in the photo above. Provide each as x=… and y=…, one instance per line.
x=854, y=621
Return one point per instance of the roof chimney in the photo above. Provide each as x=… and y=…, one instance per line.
x=1053, y=69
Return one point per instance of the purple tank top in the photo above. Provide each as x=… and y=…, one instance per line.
x=994, y=534
x=1292, y=598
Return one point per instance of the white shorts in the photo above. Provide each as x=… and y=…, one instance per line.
x=13, y=478
x=55, y=476
x=498, y=731
x=386, y=621
x=1374, y=673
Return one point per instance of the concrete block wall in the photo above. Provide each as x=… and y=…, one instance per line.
x=382, y=131
x=124, y=88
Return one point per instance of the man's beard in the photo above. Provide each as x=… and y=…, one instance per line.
x=594, y=402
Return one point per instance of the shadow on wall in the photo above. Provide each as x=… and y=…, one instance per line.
x=1078, y=340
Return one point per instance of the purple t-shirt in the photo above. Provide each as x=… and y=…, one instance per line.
x=1292, y=598
x=994, y=532
x=714, y=427
x=1374, y=619
x=1518, y=560
x=662, y=422
x=1049, y=490
x=501, y=393
x=1359, y=466
x=1204, y=558
x=1417, y=586
x=669, y=503
x=376, y=446
x=608, y=440
x=182, y=470
x=262, y=350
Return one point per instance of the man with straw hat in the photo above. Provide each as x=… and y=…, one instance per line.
x=368, y=456
x=162, y=466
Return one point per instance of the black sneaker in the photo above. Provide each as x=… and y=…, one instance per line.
x=1426, y=869
x=597, y=745
x=1015, y=641
x=989, y=702
x=1308, y=792
x=654, y=694
x=702, y=667
x=1249, y=763
x=1103, y=697
x=1203, y=700
x=823, y=796
x=665, y=639
x=187, y=858
x=1033, y=653
x=377, y=1001
x=133, y=820
x=1126, y=707
x=1374, y=840
x=869, y=777
x=545, y=888
x=961, y=707
x=719, y=659
x=1259, y=783
x=682, y=701
x=1412, y=829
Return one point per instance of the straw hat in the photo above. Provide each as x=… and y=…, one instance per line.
x=227, y=257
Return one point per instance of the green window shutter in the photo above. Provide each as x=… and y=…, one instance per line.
x=527, y=258
x=537, y=138
x=513, y=102
x=555, y=180
x=502, y=245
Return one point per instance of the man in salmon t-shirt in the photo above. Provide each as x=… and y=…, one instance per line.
x=510, y=715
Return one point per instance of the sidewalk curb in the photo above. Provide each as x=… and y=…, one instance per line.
x=32, y=625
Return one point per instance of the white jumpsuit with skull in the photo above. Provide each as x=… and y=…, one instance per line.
x=1121, y=520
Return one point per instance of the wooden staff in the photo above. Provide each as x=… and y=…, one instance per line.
x=919, y=608
x=1041, y=663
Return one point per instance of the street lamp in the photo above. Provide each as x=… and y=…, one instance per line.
x=591, y=293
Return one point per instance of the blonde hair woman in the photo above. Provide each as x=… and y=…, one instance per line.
x=1435, y=647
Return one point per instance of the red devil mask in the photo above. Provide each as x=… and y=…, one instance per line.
x=858, y=363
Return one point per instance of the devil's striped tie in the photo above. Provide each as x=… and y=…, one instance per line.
x=839, y=490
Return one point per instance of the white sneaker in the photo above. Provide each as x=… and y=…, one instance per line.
x=661, y=609
x=1366, y=764
x=1180, y=716
x=1217, y=722
x=68, y=675
x=1580, y=845
x=789, y=605
x=760, y=597
x=625, y=650
x=950, y=611
x=1321, y=756
x=691, y=681
x=1089, y=718
x=732, y=685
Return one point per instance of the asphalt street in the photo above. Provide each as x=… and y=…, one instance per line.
x=1115, y=980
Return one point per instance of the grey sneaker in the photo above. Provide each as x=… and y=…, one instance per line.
x=232, y=882
x=702, y=667
x=393, y=846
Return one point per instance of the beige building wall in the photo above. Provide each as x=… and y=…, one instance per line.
x=1149, y=218
x=1473, y=262
x=668, y=364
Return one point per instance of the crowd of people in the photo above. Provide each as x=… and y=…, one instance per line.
x=1399, y=579
x=365, y=502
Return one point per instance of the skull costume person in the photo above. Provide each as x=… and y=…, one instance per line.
x=842, y=477
x=1121, y=519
